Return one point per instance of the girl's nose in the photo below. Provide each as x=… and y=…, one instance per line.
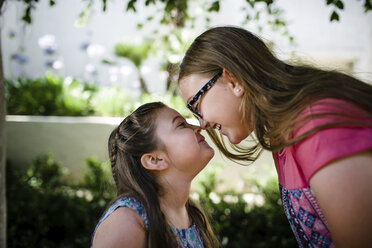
x=203, y=124
x=197, y=129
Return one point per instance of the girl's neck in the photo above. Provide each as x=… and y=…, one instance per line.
x=173, y=204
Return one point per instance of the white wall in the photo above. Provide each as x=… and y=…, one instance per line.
x=317, y=38
x=349, y=39
x=72, y=140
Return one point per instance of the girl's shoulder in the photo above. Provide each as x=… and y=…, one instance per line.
x=328, y=111
x=129, y=203
x=122, y=221
x=341, y=129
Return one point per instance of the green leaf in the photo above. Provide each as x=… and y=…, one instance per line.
x=131, y=6
x=339, y=4
x=251, y=3
x=84, y=16
x=27, y=15
x=329, y=2
x=104, y=2
x=108, y=62
x=169, y=6
x=164, y=20
x=269, y=2
x=214, y=7
x=27, y=19
x=135, y=53
x=367, y=5
x=257, y=16
x=334, y=16
x=148, y=2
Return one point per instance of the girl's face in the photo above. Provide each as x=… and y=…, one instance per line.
x=219, y=106
x=185, y=148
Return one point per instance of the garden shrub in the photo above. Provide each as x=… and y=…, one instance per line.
x=49, y=95
x=239, y=222
x=59, y=96
x=47, y=209
x=112, y=101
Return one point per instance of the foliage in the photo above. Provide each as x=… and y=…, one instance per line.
x=251, y=219
x=174, y=16
x=47, y=209
x=112, y=101
x=77, y=96
x=177, y=12
x=339, y=5
x=135, y=53
x=168, y=48
x=49, y=95
x=52, y=95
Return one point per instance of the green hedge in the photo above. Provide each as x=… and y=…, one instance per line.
x=47, y=209
x=66, y=96
x=49, y=95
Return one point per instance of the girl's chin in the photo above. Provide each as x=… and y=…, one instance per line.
x=208, y=156
x=210, y=152
x=235, y=139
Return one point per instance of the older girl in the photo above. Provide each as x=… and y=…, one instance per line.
x=317, y=123
x=155, y=154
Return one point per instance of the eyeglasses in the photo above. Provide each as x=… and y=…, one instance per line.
x=201, y=92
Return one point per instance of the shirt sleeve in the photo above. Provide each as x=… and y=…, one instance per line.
x=323, y=146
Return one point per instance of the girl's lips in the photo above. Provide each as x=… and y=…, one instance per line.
x=203, y=142
x=201, y=139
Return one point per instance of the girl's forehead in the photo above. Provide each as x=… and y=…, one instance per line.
x=165, y=122
x=166, y=115
x=193, y=80
x=191, y=84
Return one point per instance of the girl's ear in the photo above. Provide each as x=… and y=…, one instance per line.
x=227, y=75
x=233, y=83
x=153, y=161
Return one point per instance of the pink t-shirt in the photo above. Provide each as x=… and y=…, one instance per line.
x=296, y=164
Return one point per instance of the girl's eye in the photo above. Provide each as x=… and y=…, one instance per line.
x=182, y=124
x=197, y=107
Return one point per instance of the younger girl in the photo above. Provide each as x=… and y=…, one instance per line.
x=155, y=154
x=317, y=123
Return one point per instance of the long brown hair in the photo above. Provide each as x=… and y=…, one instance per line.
x=134, y=137
x=275, y=92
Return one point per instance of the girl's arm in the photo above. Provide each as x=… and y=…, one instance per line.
x=343, y=189
x=122, y=228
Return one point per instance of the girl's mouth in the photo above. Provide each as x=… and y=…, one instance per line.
x=201, y=139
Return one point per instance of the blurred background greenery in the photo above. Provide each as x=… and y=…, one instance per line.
x=48, y=209
x=46, y=206
x=54, y=95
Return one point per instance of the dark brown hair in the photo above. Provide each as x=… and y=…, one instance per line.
x=275, y=92
x=134, y=137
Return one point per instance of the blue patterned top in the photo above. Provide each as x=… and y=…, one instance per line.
x=187, y=238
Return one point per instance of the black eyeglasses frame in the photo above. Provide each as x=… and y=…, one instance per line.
x=200, y=93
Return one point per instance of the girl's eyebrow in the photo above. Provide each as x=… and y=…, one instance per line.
x=176, y=117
